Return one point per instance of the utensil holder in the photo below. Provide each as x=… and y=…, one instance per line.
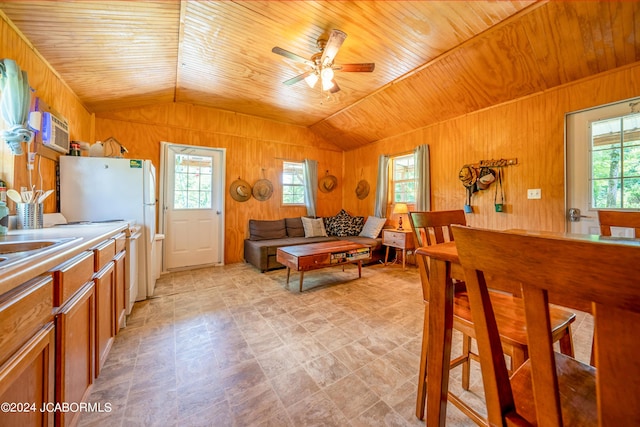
x=29, y=215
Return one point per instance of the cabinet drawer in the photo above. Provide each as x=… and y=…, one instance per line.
x=392, y=238
x=23, y=312
x=71, y=276
x=104, y=253
x=120, y=241
x=313, y=261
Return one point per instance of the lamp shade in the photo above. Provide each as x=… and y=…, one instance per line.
x=311, y=80
x=400, y=208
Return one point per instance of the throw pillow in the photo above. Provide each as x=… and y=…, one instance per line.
x=357, y=225
x=373, y=227
x=344, y=224
x=313, y=227
x=331, y=223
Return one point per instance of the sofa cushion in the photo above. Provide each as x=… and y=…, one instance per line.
x=372, y=227
x=264, y=229
x=294, y=227
x=344, y=224
x=313, y=227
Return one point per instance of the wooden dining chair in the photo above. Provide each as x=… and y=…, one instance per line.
x=435, y=227
x=552, y=389
x=624, y=219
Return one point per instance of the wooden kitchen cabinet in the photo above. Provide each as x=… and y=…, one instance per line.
x=27, y=346
x=104, y=279
x=105, y=314
x=75, y=358
x=120, y=312
x=120, y=281
x=74, y=293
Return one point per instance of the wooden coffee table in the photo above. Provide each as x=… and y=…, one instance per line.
x=314, y=256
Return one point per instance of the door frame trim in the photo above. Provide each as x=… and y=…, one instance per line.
x=162, y=226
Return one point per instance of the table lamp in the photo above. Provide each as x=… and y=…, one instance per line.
x=399, y=209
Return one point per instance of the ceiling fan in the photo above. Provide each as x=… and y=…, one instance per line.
x=322, y=65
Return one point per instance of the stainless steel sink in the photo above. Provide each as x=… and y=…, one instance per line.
x=20, y=248
x=31, y=245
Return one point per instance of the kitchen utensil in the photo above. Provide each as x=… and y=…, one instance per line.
x=44, y=196
x=14, y=195
x=27, y=196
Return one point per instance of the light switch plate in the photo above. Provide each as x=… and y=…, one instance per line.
x=534, y=193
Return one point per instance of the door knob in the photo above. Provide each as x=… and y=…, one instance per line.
x=575, y=215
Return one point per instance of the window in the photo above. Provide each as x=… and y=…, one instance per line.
x=403, y=179
x=292, y=183
x=615, y=163
x=193, y=178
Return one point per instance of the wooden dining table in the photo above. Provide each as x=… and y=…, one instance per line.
x=444, y=267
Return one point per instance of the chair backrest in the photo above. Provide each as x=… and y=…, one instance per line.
x=625, y=219
x=564, y=271
x=435, y=227
x=430, y=228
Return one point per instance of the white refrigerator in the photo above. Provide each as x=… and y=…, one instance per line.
x=105, y=189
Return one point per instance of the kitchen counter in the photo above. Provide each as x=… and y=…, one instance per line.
x=81, y=238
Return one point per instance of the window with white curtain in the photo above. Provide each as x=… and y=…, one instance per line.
x=402, y=179
x=293, y=183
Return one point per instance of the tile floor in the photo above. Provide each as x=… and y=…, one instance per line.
x=229, y=346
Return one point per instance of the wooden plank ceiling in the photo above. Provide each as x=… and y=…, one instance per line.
x=434, y=59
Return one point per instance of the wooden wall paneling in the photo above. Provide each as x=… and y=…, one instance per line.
x=530, y=129
x=252, y=144
x=47, y=85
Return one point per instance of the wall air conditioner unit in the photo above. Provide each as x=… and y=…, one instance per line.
x=55, y=133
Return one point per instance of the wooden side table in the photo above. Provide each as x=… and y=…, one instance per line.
x=399, y=239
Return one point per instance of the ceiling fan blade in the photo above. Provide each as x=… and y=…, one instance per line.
x=336, y=38
x=365, y=67
x=335, y=88
x=291, y=55
x=297, y=78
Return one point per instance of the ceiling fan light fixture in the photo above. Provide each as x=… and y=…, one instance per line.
x=327, y=74
x=311, y=80
x=327, y=84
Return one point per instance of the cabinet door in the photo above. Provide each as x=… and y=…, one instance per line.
x=105, y=314
x=27, y=378
x=120, y=286
x=75, y=351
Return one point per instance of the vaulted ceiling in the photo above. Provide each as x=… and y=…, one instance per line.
x=433, y=59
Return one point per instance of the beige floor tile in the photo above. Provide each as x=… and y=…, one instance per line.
x=230, y=346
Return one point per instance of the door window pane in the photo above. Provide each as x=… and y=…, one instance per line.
x=615, y=162
x=193, y=182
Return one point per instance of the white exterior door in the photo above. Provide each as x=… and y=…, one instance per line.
x=590, y=135
x=193, y=206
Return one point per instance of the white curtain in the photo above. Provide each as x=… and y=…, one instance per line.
x=423, y=181
x=382, y=187
x=310, y=186
x=14, y=105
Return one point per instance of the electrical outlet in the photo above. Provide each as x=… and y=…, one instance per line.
x=534, y=193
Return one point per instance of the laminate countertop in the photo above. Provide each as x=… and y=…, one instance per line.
x=21, y=267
